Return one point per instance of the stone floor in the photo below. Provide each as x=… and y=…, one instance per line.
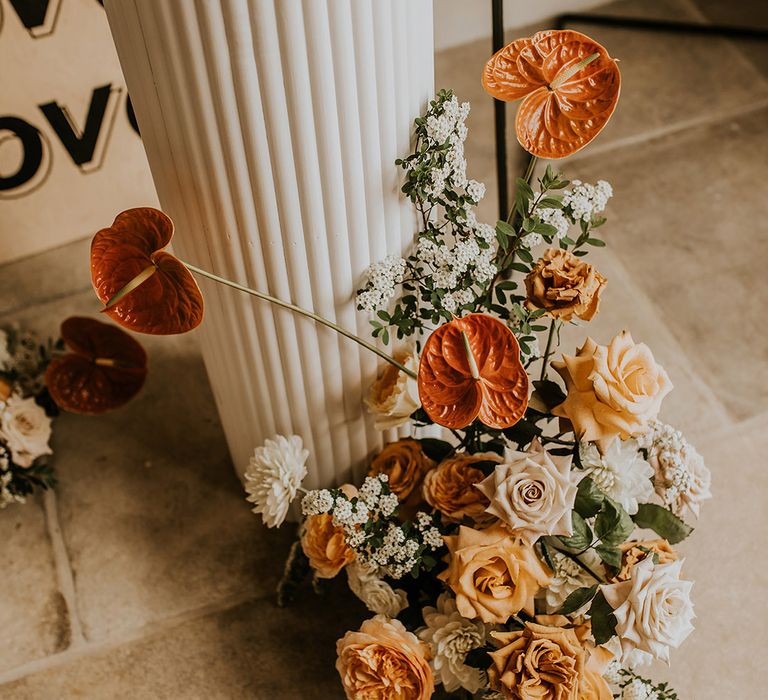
x=145, y=576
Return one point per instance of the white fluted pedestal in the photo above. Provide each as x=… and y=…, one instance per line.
x=271, y=129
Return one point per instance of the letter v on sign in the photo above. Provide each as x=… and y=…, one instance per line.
x=86, y=147
x=38, y=16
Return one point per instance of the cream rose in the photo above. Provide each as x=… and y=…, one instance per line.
x=653, y=611
x=325, y=546
x=26, y=429
x=383, y=661
x=564, y=285
x=394, y=396
x=451, y=487
x=377, y=595
x=533, y=493
x=492, y=574
x=613, y=390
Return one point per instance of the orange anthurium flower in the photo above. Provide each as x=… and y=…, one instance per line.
x=104, y=370
x=145, y=289
x=470, y=367
x=569, y=85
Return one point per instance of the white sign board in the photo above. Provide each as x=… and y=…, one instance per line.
x=70, y=154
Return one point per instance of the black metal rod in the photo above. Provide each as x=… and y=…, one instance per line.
x=500, y=115
x=662, y=25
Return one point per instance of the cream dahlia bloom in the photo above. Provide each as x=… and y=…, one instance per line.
x=621, y=472
x=274, y=475
x=653, y=611
x=682, y=479
x=451, y=637
x=394, y=396
x=533, y=493
x=377, y=595
x=568, y=576
x=26, y=430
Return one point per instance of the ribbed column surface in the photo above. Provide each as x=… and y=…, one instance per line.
x=271, y=129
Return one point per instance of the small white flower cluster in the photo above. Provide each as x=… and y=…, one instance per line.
x=682, y=479
x=585, y=201
x=638, y=689
x=445, y=126
x=381, y=278
x=568, y=576
x=612, y=673
x=7, y=496
x=381, y=544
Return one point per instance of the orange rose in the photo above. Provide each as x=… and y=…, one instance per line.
x=5, y=390
x=325, y=546
x=543, y=661
x=635, y=551
x=564, y=285
x=451, y=488
x=383, y=661
x=612, y=390
x=492, y=574
x=406, y=465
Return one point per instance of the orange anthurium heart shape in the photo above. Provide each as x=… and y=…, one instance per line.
x=166, y=299
x=570, y=87
x=104, y=370
x=470, y=368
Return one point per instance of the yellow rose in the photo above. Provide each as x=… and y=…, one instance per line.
x=612, y=390
x=635, y=551
x=492, y=574
x=564, y=285
x=383, y=661
x=542, y=661
x=324, y=545
x=451, y=488
x=406, y=465
x=394, y=396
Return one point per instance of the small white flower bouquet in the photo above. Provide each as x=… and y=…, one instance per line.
x=530, y=553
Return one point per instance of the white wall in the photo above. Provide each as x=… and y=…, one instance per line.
x=461, y=21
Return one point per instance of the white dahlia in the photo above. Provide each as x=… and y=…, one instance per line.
x=274, y=475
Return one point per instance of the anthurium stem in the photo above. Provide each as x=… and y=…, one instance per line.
x=548, y=350
x=303, y=312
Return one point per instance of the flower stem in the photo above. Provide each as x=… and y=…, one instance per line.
x=304, y=312
x=548, y=350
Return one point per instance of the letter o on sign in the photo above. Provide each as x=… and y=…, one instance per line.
x=32, y=163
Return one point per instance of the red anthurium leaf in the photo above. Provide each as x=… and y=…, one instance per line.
x=168, y=299
x=569, y=85
x=470, y=368
x=104, y=370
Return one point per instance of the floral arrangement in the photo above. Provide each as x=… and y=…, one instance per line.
x=530, y=551
x=103, y=369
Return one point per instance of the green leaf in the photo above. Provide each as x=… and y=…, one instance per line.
x=551, y=203
x=609, y=555
x=613, y=524
x=523, y=254
x=524, y=187
x=435, y=449
x=522, y=432
x=581, y=538
x=550, y=393
x=577, y=599
x=662, y=521
x=603, y=619
x=589, y=498
x=596, y=242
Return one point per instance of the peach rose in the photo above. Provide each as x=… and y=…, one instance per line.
x=451, y=487
x=538, y=662
x=613, y=390
x=384, y=661
x=492, y=574
x=406, y=465
x=564, y=285
x=325, y=546
x=635, y=551
x=5, y=390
